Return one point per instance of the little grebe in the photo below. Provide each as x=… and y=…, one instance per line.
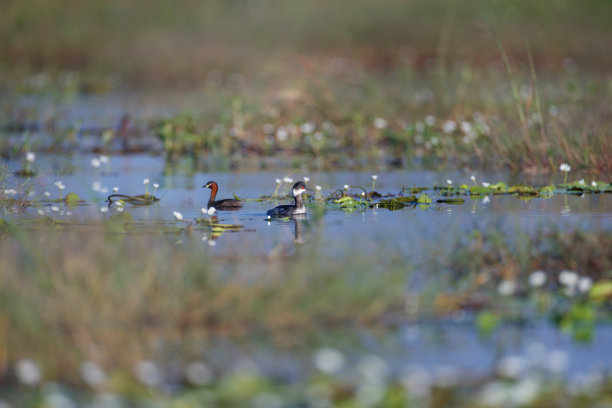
x=226, y=204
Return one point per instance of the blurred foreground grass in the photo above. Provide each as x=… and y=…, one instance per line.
x=146, y=318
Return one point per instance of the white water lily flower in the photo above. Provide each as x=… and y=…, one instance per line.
x=47, y=194
x=115, y=189
x=473, y=178
x=55, y=208
x=306, y=179
x=61, y=186
x=155, y=186
x=506, y=288
x=92, y=374
x=568, y=278
x=581, y=182
x=584, y=284
x=198, y=373
x=41, y=212
x=537, y=278
x=282, y=134
x=96, y=163
x=449, y=126
x=211, y=210
x=374, y=176
x=430, y=120
x=307, y=127
x=104, y=159
x=103, y=209
x=288, y=180
x=565, y=167
x=278, y=181
x=119, y=209
x=328, y=360
x=594, y=184
x=148, y=373
x=449, y=182
x=380, y=123
x=486, y=200
x=178, y=215
x=318, y=188
x=485, y=184
x=30, y=157
x=28, y=372
x=145, y=181
x=346, y=186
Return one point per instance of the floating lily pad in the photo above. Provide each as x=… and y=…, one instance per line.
x=601, y=290
x=547, y=190
x=478, y=190
x=523, y=190
x=487, y=322
x=25, y=173
x=142, y=199
x=348, y=201
x=72, y=198
x=453, y=201
x=397, y=203
x=424, y=199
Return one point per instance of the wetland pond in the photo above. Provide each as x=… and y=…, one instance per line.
x=501, y=287
x=444, y=345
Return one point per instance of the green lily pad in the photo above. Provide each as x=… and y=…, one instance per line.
x=424, y=199
x=72, y=198
x=477, y=190
x=523, y=190
x=391, y=204
x=487, y=322
x=348, y=201
x=547, y=190
x=601, y=290
x=453, y=201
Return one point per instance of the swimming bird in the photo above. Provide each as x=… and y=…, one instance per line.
x=298, y=207
x=225, y=204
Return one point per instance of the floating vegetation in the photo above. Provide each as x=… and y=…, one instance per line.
x=138, y=200
x=455, y=201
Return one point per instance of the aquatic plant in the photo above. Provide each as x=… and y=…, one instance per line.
x=565, y=168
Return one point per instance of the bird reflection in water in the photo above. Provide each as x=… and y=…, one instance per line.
x=216, y=229
x=298, y=220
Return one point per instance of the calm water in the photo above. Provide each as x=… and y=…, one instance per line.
x=450, y=345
